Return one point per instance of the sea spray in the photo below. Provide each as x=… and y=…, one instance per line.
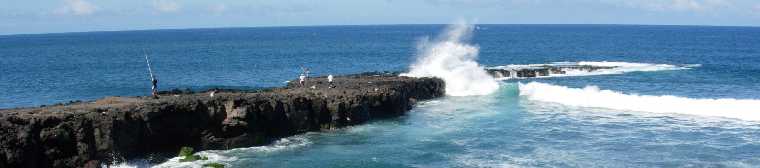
x=450, y=58
x=592, y=96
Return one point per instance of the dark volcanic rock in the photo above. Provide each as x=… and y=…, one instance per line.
x=84, y=134
x=532, y=71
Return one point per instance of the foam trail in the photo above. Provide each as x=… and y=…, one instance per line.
x=222, y=156
x=618, y=68
x=592, y=96
x=212, y=158
x=623, y=67
x=226, y=156
x=454, y=61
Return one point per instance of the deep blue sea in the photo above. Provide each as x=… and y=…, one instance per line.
x=690, y=98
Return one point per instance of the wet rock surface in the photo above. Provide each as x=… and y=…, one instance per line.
x=533, y=71
x=88, y=134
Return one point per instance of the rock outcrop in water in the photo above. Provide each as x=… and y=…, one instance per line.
x=87, y=134
x=533, y=71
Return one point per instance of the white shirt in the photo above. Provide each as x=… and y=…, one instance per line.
x=302, y=77
x=329, y=78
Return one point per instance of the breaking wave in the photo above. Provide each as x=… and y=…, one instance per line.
x=225, y=156
x=454, y=61
x=213, y=157
x=616, y=68
x=592, y=96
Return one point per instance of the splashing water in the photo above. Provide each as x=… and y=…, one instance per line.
x=453, y=60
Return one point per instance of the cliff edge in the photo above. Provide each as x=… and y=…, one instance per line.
x=87, y=134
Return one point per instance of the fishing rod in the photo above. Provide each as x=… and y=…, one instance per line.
x=149, y=69
x=153, y=81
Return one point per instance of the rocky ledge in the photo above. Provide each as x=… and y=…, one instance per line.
x=540, y=70
x=88, y=134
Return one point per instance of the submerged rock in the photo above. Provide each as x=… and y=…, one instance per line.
x=84, y=134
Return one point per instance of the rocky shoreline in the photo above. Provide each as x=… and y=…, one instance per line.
x=88, y=134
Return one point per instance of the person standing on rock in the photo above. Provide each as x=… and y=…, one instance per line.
x=330, y=81
x=154, y=88
x=302, y=80
x=304, y=76
x=211, y=94
x=153, y=80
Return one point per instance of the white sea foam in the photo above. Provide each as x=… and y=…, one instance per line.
x=623, y=67
x=213, y=157
x=225, y=156
x=133, y=164
x=283, y=144
x=619, y=68
x=592, y=96
x=453, y=60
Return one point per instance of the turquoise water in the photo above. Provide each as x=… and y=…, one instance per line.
x=709, y=94
x=504, y=130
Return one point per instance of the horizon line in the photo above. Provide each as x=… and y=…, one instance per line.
x=338, y=25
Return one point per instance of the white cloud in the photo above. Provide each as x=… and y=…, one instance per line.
x=482, y=3
x=218, y=8
x=76, y=7
x=166, y=5
x=675, y=5
x=699, y=5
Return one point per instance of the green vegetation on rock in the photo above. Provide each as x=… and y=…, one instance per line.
x=187, y=155
x=213, y=165
x=185, y=152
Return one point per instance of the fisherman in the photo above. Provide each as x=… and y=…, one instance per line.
x=304, y=75
x=154, y=88
x=153, y=80
x=330, y=81
x=302, y=80
x=211, y=94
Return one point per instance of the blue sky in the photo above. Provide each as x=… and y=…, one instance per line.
x=49, y=16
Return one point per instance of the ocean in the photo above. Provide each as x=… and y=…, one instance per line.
x=684, y=96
